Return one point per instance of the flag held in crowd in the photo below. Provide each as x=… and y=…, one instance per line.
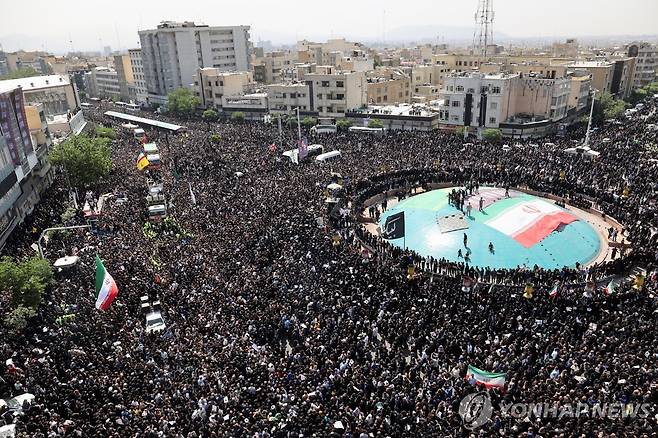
x=394, y=226
x=489, y=380
x=106, y=287
x=553, y=292
x=142, y=161
x=303, y=148
x=272, y=147
x=611, y=288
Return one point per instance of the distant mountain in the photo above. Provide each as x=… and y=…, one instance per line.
x=432, y=33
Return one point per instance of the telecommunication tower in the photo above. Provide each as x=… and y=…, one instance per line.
x=484, y=18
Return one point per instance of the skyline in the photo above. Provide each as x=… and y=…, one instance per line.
x=384, y=22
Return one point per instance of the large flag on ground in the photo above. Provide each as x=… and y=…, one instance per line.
x=394, y=226
x=489, y=380
x=529, y=222
x=106, y=287
x=142, y=161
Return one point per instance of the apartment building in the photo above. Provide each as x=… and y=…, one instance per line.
x=104, y=83
x=211, y=85
x=274, y=67
x=519, y=104
x=333, y=92
x=581, y=87
x=388, y=86
x=25, y=171
x=646, y=66
x=286, y=98
x=125, y=77
x=137, y=68
x=173, y=52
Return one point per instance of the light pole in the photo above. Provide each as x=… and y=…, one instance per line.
x=589, y=123
x=43, y=233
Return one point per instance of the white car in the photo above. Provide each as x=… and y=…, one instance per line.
x=15, y=404
x=154, y=322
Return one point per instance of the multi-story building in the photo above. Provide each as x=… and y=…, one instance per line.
x=137, y=68
x=581, y=86
x=518, y=104
x=274, y=67
x=333, y=92
x=22, y=59
x=105, y=83
x=286, y=98
x=602, y=73
x=127, y=91
x=623, y=74
x=388, y=86
x=24, y=168
x=56, y=92
x=211, y=85
x=646, y=66
x=173, y=52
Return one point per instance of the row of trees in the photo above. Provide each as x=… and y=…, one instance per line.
x=23, y=72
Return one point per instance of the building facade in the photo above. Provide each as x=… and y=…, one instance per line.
x=125, y=78
x=333, y=92
x=25, y=171
x=137, y=68
x=56, y=92
x=211, y=85
x=105, y=83
x=646, y=66
x=286, y=98
x=173, y=52
x=388, y=86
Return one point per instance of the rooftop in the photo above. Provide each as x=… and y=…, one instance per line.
x=34, y=83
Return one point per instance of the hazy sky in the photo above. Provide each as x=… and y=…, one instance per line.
x=49, y=25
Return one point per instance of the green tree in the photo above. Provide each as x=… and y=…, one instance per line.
x=607, y=107
x=291, y=122
x=375, y=123
x=25, y=281
x=85, y=159
x=210, y=116
x=492, y=134
x=23, y=72
x=459, y=132
x=237, y=116
x=307, y=122
x=16, y=320
x=102, y=131
x=343, y=124
x=652, y=88
x=182, y=101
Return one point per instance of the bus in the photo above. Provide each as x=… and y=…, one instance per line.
x=132, y=107
x=327, y=156
x=151, y=149
x=366, y=130
x=324, y=129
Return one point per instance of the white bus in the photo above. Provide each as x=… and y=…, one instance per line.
x=324, y=129
x=132, y=107
x=328, y=156
x=366, y=130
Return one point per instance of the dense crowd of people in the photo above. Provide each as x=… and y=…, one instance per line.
x=280, y=325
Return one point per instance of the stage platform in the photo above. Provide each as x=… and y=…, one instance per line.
x=525, y=230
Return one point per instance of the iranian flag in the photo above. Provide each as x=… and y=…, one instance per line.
x=489, y=380
x=610, y=288
x=553, y=292
x=106, y=287
x=529, y=222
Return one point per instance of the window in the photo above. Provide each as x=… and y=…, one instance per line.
x=460, y=88
x=455, y=103
x=340, y=84
x=493, y=105
x=492, y=120
x=471, y=90
x=454, y=118
x=325, y=83
x=495, y=90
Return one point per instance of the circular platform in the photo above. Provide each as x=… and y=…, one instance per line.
x=524, y=230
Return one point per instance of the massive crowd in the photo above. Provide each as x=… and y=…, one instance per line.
x=276, y=328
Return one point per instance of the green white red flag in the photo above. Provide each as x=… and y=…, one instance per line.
x=106, y=287
x=489, y=380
